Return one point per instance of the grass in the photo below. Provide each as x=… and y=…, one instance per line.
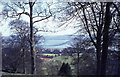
x=65, y=59
x=49, y=54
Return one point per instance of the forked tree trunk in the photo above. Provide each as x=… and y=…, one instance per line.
x=105, y=39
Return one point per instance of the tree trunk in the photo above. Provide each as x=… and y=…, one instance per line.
x=1, y=53
x=98, y=51
x=78, y=62
x=32, y=40
x=98, y=44
x=119, y=57
x=119, y=64
x=24, y=65
x=105, y=39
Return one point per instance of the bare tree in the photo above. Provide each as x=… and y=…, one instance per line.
x=21, y=29
x=11, y=60
x=28, y=9
x=80, y=47
x=96, y=22
x=105, y=38
x=91, y=15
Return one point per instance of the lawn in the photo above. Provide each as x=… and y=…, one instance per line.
x=46, y=54
x=65, y=59
x=52, y=66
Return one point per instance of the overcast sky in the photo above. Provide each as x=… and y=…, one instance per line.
x=51, y=24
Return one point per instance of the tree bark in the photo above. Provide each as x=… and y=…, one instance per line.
x=24, y=65
x=98, y=51
x=78, y=62
x=105, y=39
x=32, y=40
x=119, y=64
x=119, y=57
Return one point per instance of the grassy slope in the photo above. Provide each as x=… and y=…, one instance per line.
x=65, y=59
x=49, y=54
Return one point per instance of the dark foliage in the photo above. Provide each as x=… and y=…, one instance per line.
x=65, y=70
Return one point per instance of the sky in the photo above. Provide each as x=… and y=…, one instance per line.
x=50, y=24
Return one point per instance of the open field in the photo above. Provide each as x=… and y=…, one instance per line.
x=57, y=63
x=65, y=59
x=46, y=54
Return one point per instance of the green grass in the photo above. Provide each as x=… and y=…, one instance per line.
x=57, y=61
x=49, y=54
x=65, y=59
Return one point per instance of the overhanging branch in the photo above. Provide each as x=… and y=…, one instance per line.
x=42, y=19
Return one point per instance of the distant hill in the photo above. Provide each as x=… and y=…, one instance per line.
x=55, y=41
x=59, y=41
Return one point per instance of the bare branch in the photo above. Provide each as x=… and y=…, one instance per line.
x=34, y=2
x=42, y=19
x=94, y=15
x=87, y=28
x=116, y=8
